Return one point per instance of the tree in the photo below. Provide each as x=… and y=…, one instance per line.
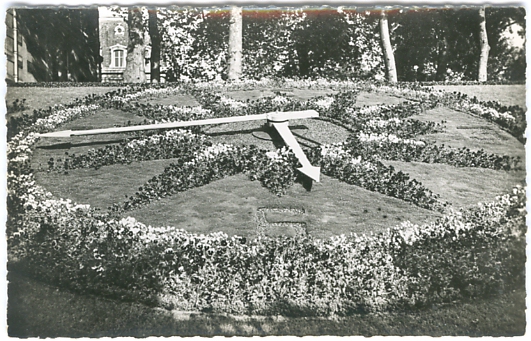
x=507, y=58
x=235, y=43
x=155, y=45
x=134, y=68
x=387, y=48
x=484, y=47
x=63, y=43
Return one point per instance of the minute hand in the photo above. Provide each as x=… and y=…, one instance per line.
x=289, y=139
x=181, y=124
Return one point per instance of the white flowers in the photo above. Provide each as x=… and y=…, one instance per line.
x=387, y=138
x=280, y=155
x=148, y=92
x=325, y=102
x=280, y=100
x=171, y=135
x=488, y=112
x=383, y=123
x=234, y=104
x=335, y=150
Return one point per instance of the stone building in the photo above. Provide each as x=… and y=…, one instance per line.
x=113, y=46
x=113, y=40
x=19, y=61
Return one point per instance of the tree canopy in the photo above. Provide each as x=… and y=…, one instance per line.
x=64, y=42
x=428, y=43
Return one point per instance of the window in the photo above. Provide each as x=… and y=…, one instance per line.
x=118, y=55
x=119, y=58
x=20, y=62
x=147, y=55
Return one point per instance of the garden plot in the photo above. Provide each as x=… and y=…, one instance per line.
x=331, y=208
x=466, y=130
x=232, y=206
x=41, y=98
x=506, y=94
x=185, y=233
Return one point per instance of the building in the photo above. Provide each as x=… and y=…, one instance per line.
x=19, y=61
x=113, y=46
x=113, y=38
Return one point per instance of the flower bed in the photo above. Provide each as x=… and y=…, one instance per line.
x=468, y=253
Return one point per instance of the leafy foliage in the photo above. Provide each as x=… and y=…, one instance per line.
x=63, y=42
x=17, y=106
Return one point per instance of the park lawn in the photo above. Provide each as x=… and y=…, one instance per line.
x=331, y=208
x=514, y=94
x=40, y=310
x=43, y=98
x=462, y=186
x=475, y=133
x=230, y=205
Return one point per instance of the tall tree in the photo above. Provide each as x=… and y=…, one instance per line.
x=322, y=42
x=235, y=43
x=387, y=48
x=155, y=45
x=134, y=68
x=484, y=47
x=63, y=42
x=506, y=34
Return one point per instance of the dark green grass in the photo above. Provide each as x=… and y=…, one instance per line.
x=231, y=204
x=505, y=94
x=461, y=186
x=39, y=310
x=42, y=98
x=475, y=133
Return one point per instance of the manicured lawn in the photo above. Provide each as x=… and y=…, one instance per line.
x=331, y=208
x=475, y=133
x=42, y=98
x=41, y=310
x=506, y=94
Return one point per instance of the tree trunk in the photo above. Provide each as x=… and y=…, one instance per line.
x=134, y=68
x=387, y=48
x=235, y=43
x=484, y=46
x=304, y=60
x=155, y=46
x=442, y=60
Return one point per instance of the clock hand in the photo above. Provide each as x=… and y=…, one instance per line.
x=277, y=116
x=286, y=134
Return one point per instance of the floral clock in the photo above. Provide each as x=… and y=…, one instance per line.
x=111, y=254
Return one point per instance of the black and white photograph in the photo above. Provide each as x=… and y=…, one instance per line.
x=239, y=169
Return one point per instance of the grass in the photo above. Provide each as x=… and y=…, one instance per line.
x=505, y=94
x=42, y=98
x=461, y=186
x=230, y=205
x=37, y=309
x=463, y=130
